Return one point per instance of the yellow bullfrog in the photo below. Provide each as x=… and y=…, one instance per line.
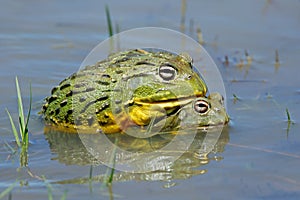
x=135, y=88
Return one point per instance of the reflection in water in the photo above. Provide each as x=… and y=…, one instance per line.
x=69, y=149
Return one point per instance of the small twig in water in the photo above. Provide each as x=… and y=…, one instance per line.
x=235, y=98
x=183, y=13
x=248, y=57
x=277, y=62
x=191, y=27
x=226, y=62
x=200, y=36
x=276, y=57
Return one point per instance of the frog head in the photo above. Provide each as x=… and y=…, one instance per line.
x=162, y=87
x=204, y=112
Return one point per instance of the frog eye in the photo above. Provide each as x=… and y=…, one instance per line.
x=167, y=72
x=201, y=106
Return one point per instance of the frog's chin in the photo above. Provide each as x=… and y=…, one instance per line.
x=205, y=128
x=215, y=125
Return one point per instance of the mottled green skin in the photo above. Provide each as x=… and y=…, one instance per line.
x=121, y=90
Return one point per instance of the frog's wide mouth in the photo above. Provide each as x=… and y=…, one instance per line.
x=166, y=103
x=168, y=98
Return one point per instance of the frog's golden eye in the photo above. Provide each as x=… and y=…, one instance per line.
x=167, y=72
x=201, y=106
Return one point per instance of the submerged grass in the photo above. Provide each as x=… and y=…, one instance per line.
x=21, y=137
x=108, y=178
x=50, y=190
x=10, y=148
x=7, y=191
x=91, y=179
x=109, y=175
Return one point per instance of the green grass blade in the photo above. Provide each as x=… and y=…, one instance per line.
x=20, y=106
x=108, y=176
x=117, y=28
x=10, y=196
x=91, y=173
x=64, y=196
x=111, y=176
x=21, y=125
x=288, y=114
x=50, y=196
x=49, y=188
x=109, y=24
x=25, y=134
x=91, y=179
x=29, y=110
x=11, y=149
x=24, y=155
x=7, y=190
x=14, y=130
x=113, y=162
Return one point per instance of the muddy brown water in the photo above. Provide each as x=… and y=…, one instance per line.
x=258, y=156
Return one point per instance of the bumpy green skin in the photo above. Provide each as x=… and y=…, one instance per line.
x=123, y=88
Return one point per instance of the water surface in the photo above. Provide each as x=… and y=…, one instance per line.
x=44, y=42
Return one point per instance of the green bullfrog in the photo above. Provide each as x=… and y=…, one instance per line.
x=135, y=88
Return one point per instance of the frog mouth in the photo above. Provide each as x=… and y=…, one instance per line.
x=166, y=103
x=161, y=98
